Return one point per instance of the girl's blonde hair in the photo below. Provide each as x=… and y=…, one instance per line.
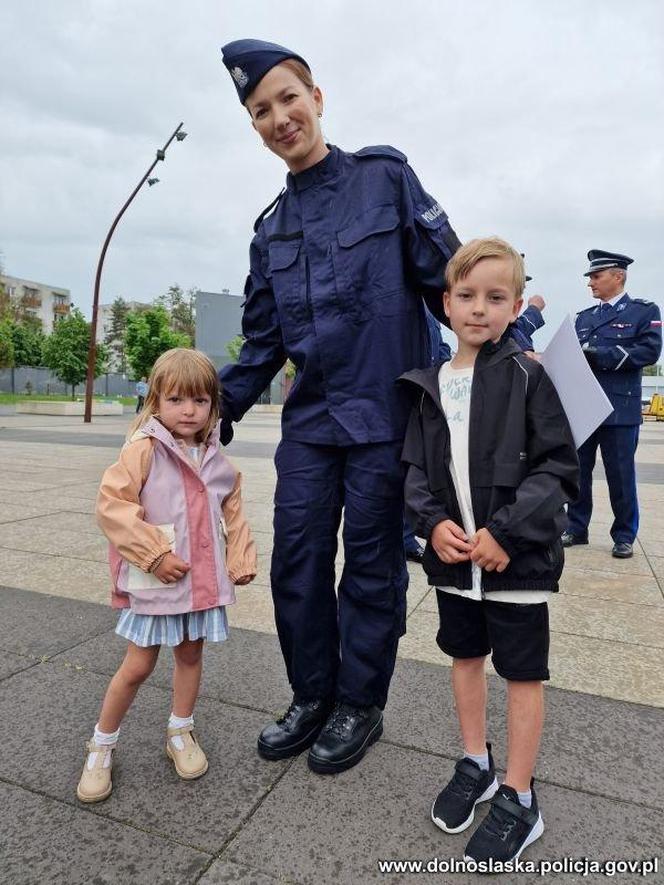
x=185, y=372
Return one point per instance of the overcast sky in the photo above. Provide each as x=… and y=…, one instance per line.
x=542, y=122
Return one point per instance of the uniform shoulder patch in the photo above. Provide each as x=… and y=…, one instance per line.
x=382, y=150
x=268, y=209
x=643, y=301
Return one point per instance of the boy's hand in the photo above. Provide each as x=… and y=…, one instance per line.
x=245, y=579
x=171, y=569
x=537, y=301
x=488, y=553
x=531, y=354
x=450, y=542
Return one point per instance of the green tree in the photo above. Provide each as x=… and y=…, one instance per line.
x=655, y=369
x=6, y=345
x=181, y=309
x=148, y=336
x=66, y=350
x=234, y=346
x=28, y=341
x=115, y=338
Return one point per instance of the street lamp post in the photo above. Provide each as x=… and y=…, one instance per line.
x=178, y=135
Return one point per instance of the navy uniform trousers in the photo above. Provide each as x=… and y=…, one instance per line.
x=618, y=448
x=314, y=483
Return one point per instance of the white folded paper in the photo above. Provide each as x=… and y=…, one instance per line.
x=581, y=395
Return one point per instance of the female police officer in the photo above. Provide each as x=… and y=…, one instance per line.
x=339, y=264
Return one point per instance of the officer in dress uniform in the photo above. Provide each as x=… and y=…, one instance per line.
x=339, y=265
x=619, y=336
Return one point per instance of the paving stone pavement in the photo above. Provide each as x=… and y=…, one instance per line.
x=600, y=773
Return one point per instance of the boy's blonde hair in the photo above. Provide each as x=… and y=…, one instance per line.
x=472, y=252
x=185, y=372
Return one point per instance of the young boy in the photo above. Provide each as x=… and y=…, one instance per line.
x=491, y=464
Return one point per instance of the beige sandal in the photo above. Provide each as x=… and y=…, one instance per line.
x=190, y=762
x=95, y=784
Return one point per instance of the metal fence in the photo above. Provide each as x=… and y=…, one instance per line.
x=33, y=380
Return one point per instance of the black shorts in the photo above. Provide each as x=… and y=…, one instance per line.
x=516, y=633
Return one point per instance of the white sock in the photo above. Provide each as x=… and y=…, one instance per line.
x=101, y=738
x=482, y=760
x=525, y=799
x=179, y=722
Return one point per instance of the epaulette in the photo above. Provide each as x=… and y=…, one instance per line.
x=642, y=301
x=267, y=209
x=382, y=150
x=586, y=309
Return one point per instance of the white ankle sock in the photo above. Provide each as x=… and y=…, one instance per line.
x=482, y=760
x=179, y=722
x=103, y=739
x=525, y=799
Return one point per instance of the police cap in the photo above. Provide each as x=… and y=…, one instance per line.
x=248, y=61
x=601, y=260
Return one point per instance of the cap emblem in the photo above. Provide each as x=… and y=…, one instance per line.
x=241, y=77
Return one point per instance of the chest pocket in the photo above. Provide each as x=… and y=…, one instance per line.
x=368, y=264
x=286, y=261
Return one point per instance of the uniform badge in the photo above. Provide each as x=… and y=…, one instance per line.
x=433, y=213
x=241, y=77
x=622, y=306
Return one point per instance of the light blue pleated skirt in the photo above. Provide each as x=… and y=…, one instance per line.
x=146, y=630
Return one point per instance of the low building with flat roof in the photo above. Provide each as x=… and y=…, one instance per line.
x=47, y=303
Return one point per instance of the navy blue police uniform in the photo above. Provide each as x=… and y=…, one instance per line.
x=338, y=270
x=528, y=322
x=618, y=341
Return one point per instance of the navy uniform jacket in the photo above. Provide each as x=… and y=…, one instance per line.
x=526, y=323
x=337, y=275
x=618, y=342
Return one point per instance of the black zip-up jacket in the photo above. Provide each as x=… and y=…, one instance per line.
x=523, y=468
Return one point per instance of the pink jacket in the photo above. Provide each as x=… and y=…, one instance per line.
x=154, y=484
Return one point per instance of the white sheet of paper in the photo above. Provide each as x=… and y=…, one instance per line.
x=583, y=399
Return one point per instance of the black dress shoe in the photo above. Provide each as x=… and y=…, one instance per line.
x=345, y=738
x=570, y=540
x=622, y=550
x=295, y=731
x=415, y=554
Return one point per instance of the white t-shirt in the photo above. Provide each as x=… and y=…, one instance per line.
x=455, y=388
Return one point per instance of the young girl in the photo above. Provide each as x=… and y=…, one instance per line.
x=171, y=510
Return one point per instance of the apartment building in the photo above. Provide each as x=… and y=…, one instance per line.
x=48, y=303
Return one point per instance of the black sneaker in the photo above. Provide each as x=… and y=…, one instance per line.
x=295, y=731
x=345, y=738
x=507, y=829
x=454, y=809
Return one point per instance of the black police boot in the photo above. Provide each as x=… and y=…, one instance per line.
x=570, y=540
x=345, y=738
x=622, y=550
x=295, y=731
